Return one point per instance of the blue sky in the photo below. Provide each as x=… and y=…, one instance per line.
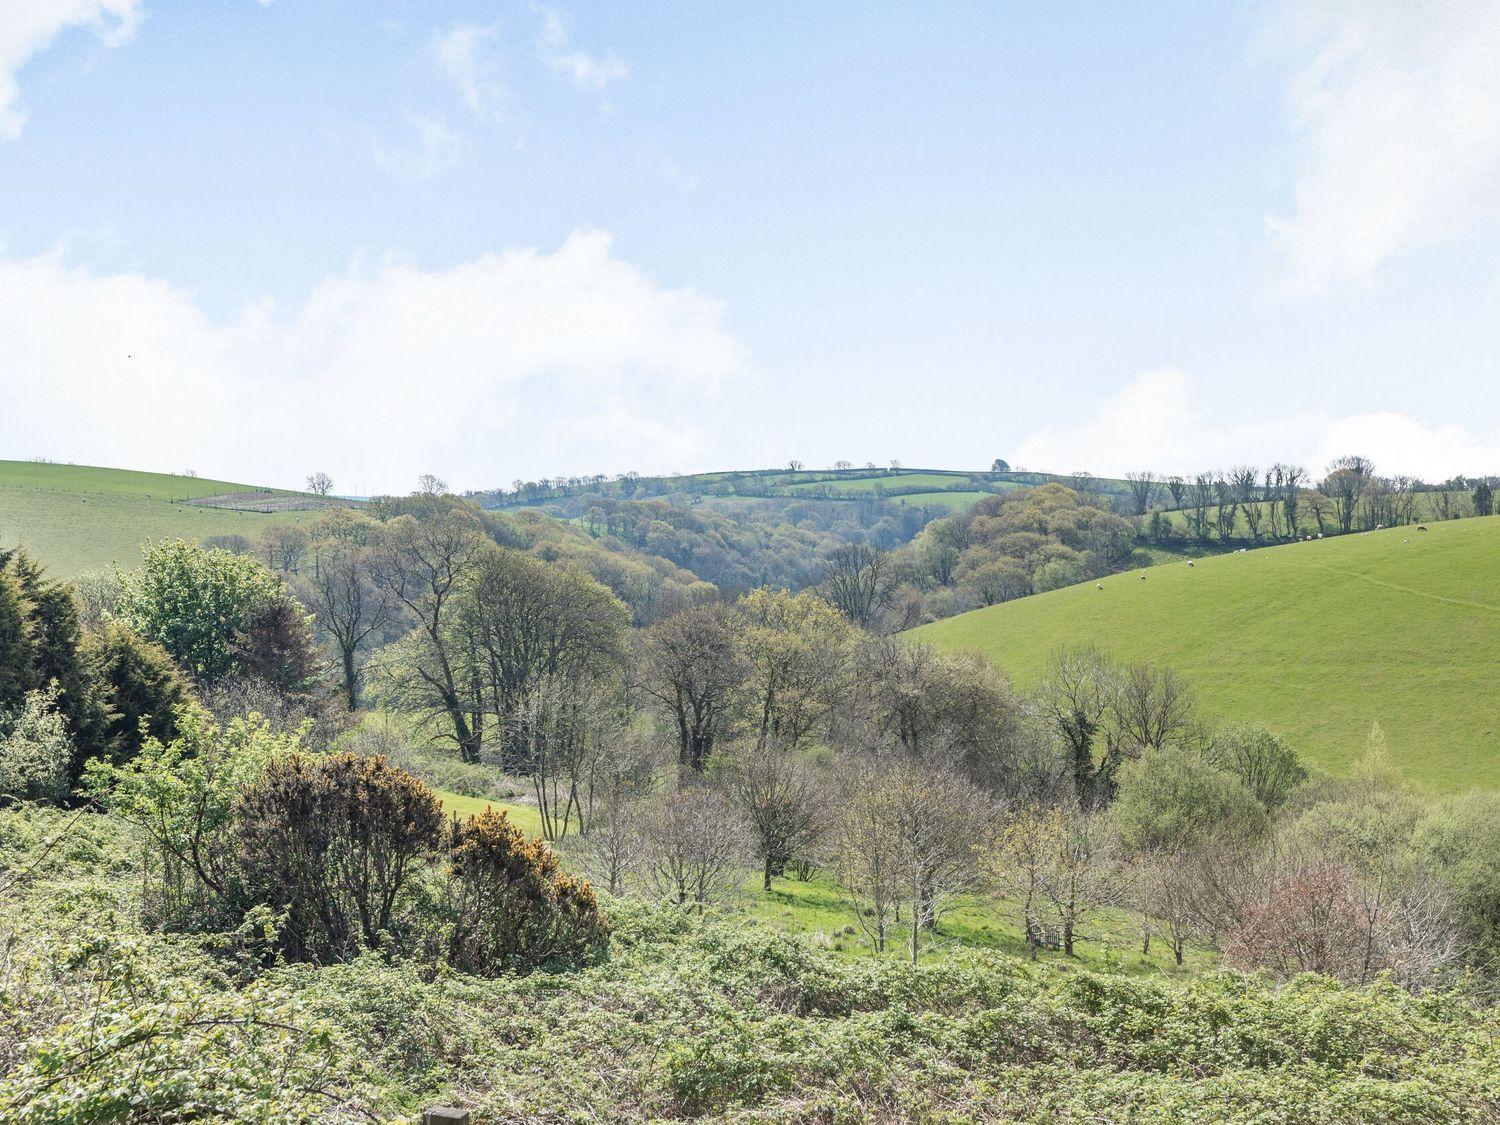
x=501, y=240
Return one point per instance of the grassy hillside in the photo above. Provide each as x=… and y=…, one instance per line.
x=78, y=518
x=962, y=487
x=1316, y=639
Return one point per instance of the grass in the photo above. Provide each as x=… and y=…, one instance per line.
x=1317, y=640
x=76, y=518
x=816, y=909
x=1110, y=940
x=953, y=501
x=886, y=481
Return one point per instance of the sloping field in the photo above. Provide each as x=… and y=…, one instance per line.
x=1316, y=640
x=76, y=518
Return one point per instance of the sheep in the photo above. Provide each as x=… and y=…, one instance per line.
x=1098, y=585
x=1143, y=578
x=1190, y=562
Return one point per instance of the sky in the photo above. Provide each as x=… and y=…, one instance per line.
x=511, y=240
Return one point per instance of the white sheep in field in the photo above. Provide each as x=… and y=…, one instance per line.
x=1098, y=585
x=1190, y=562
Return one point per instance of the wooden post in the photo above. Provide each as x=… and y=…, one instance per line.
x=445, y=1115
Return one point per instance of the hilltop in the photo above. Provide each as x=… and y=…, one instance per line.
x=78, y=518
x=1315, y=639
x=940, y=488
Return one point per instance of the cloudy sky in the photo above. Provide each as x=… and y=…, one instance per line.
x=494, y=240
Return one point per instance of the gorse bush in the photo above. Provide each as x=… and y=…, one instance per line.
x=334, y=841
x=508, y=904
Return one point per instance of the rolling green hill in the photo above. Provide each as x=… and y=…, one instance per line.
x=1317, y=640
x=956, y=488
x=77, y=518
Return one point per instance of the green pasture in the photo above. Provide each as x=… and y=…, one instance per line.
x=115, y=482
x=886, y=481
x=1315, y=639
x=77, y=519
x=953, y=501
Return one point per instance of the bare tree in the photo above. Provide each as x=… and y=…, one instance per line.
x=694, y=670
x=1077, y=695
x=284, y=545
x=319, y=484
x=430, y=485
x=696, y=847
x=422, y=564
x=1226, y=515
x=1200, y=498
x=611, y=851
x=1149, y=708
x=1243, y=477
x=1059, y=862
x=1292, y=478
x=1143, y=487
x=907, y=837
x=860, y=581
x=780, y=799
x=349, y=606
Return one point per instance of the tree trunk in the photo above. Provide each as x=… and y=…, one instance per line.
x=349, y=677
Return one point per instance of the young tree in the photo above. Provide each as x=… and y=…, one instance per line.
x=696, y=847
x=320, y=483
x=183, y=794
x=906, y=844
x=1060, y=862
x=35, y=749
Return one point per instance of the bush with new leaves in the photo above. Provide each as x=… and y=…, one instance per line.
x=508, y=904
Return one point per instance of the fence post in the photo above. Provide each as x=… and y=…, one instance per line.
x=445, y=1115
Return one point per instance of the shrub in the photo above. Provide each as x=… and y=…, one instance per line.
x=334, y=841
x=182, y=794
x=509, y=905
x=35, y=749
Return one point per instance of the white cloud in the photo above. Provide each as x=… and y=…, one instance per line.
x=462, y=55
x=435, y=148
x=27, y=27
x=1154, y=423
x=522, y=363
x=588, y=72
x=1397, y=110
